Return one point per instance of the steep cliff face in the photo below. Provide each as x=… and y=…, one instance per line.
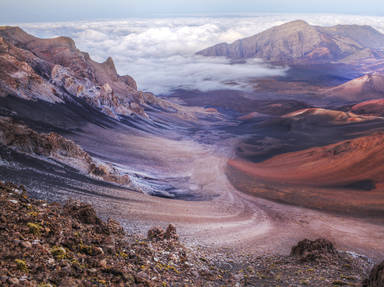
x=53, y=146
x=54, y=70
x=297, y=41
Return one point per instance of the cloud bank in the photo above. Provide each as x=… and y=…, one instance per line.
x=159, y=53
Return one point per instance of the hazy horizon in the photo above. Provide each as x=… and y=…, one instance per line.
x=14, y=11
x=143, y=46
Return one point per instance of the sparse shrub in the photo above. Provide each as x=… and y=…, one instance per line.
x=21, y=265
x=34, y=228
x=58, y=252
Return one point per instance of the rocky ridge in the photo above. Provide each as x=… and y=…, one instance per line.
x=54, y=146
x=54, y=70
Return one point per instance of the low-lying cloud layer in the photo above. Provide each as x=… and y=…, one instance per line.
x=159, y=53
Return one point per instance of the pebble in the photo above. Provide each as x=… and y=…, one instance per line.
x=238, y=277
x=51, y=261
x=26, y=244
x=13, y=281
x=103, y=263
x=142, y=275
x=3, y=278
x=99, y=251
x=23, y=279
x=17, y=191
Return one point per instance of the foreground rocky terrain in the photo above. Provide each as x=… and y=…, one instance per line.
x=48, y=244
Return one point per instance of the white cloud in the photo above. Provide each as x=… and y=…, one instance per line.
x=159, y=53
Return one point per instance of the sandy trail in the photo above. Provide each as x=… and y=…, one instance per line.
x=232, y=220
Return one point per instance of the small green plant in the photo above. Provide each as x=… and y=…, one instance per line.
x=58, y=252
x=86, y=249
x=21, y=265
x=34, y=228
x=77, y=264
x=33, y=213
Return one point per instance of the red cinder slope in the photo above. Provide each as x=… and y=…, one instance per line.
x=339, y=164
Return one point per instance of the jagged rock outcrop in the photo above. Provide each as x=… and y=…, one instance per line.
x=376, y=277
x=24, y=75
x=54, y=70
x=52, y=145
x=316, y=250
x=158, y=234
x=299, y=42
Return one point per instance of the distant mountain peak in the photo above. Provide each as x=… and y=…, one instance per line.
x=296, y=23
x=299, y=42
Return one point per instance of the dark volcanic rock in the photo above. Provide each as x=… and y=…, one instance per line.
x=317, y=250
x=72, y=247
x=155, y=234
x=83, y=212
x=376, y=277
x=171, y=233
x=158, y=234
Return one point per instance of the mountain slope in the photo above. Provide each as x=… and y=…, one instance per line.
x=54, y=70
x=319, y=116
x=297, y=41
x=340, y=164
x=372, y=107
x=52, y=146
x=370, y=86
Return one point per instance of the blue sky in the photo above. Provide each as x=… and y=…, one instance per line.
x=60, y=10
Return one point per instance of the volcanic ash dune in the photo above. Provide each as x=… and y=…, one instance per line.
x=325, y=116
x=370, y=86
x=372, y=107
x=341, y=177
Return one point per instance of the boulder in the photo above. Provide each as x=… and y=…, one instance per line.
x=158, y=234
x=376, y=277
x=317, y=250
x=83, y=212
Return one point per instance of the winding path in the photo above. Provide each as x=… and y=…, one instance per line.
x=231, y=220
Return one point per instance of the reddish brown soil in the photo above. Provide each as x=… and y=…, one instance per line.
x=372, y=107
x=345, y=177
